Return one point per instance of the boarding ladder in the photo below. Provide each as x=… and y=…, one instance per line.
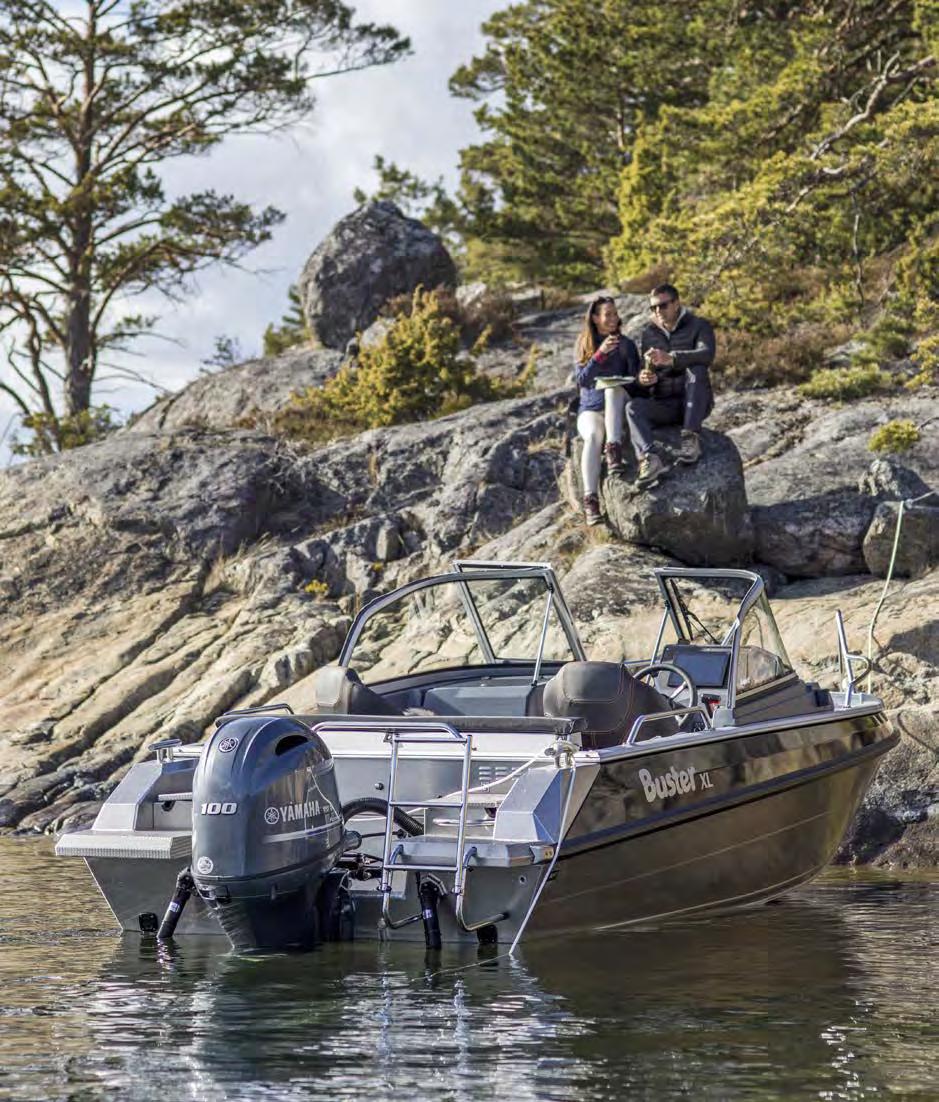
x=403, y=734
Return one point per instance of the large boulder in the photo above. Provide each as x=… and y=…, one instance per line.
x=369, y=257
x=917, y=547
x=697, y=514
x=810, y=514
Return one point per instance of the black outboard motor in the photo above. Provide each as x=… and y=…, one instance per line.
x=267, y=830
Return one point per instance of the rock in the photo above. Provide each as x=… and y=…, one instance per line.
x=886, y=478
x=368, y=257
x=697, y=514
x=809, y=516
x=374, y=335
x=918, y=546
x=844, y=354
x=898, y=821
x=227, y=398
x=470, y=296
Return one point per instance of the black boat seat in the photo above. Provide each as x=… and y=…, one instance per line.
x=609, y=699
x=339, y=691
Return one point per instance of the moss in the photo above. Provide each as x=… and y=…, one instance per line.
x=894, y=437
x=316, y=589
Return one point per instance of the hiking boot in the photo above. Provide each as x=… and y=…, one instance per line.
x=614, y=457
x=650, y=467
x=591, y=509
x=690, y=450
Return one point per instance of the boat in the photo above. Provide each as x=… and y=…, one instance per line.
x=467, y=774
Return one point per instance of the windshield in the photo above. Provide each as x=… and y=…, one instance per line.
x=705, y=608
x=453, y=623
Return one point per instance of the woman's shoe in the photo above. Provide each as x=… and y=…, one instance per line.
x=614, y=457
x=592, y=509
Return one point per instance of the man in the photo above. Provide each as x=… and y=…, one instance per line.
x=677, y=348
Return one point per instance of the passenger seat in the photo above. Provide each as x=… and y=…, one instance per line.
x=339, y=691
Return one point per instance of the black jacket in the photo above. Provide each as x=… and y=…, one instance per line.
x=691, y=342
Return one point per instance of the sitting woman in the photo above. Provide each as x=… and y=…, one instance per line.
x=601, y=352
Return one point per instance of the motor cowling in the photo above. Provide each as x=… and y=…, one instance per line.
x=267, y=830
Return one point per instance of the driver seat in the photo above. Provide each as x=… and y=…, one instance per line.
x=609, y=698
x=340, y=691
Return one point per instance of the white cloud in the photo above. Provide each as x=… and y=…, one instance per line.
x=403, y=112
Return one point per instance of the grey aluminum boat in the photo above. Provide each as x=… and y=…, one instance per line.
x=467, y=774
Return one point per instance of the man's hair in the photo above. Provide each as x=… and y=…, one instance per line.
x=665, y=289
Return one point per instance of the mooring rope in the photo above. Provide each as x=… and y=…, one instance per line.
x=905, y=504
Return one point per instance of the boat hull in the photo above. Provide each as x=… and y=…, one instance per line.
x=762, y=814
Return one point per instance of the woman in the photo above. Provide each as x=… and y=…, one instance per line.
x=601, y=351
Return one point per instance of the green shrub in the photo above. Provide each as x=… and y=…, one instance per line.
x=843, y=383
x=51, y=434
x=416, y=371
x=894, y=437
x=926, y=359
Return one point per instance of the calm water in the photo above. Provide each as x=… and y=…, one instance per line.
x=831, y=994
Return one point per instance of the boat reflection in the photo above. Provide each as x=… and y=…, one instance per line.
x=776, y=1002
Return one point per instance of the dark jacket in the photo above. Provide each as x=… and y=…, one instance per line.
x=691, y=342
x=623, y=360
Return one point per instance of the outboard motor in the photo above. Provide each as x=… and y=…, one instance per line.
x=267, y=830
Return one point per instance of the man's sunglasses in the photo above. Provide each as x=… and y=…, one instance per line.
x=661, y=305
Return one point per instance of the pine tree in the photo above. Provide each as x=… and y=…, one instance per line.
x=291, y=331
x=96, y=96
x=563, y=87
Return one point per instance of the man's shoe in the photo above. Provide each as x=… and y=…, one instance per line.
x=614, y=457
x=591, y=509
x=650, y=467
x=690, y=450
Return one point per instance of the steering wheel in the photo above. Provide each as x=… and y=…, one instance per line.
x=687, y=682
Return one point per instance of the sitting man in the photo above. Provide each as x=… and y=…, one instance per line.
x=673, y=388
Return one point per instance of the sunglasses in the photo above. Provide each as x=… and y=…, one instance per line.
x=661, y=305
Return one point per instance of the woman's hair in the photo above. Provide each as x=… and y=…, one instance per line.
x=588, y=341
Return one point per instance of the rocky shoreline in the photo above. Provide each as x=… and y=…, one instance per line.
x=186, y=565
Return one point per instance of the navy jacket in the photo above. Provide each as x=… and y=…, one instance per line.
x=691, y=342
x=623, y=360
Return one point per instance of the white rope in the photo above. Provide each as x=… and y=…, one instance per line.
x=883, y=596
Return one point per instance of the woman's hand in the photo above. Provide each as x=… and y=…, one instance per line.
x=609, y=344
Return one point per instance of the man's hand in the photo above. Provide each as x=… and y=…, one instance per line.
x=647, y=377
x=658, y=358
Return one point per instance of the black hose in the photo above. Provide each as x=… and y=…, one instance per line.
x=408, y=823
x=174, y=912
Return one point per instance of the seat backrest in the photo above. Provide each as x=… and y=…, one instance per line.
x=609, y=698
x=339, y=691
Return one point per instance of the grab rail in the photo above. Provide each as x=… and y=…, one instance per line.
x=846, y=660
x=675, y=713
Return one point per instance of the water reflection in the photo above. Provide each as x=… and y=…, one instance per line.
x=828, y=995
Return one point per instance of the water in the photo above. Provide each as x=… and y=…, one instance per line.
x=830, y=994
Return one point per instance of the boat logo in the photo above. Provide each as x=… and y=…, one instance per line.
x=216, y=808
x=205, y=865
x=227, y=745
x=672, y=783
x=292, y=813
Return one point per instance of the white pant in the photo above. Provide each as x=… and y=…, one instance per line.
x=594, y=427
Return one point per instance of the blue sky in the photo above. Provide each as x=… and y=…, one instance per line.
x=403, y=112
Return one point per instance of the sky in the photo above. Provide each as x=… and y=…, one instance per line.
x=402, y=111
